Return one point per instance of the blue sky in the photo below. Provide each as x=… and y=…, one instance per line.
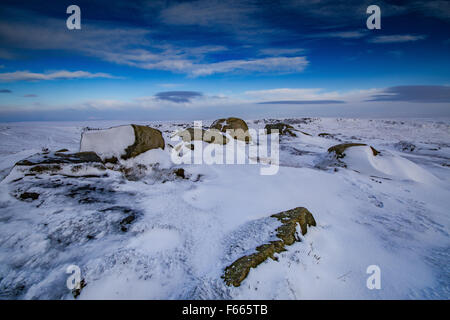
x=204, y=59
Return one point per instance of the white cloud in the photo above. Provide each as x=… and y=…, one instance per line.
x=273, y=64
x=309, y=94
x=340, y=35
x=57, y=75
x=397, y=38
x=281, y=51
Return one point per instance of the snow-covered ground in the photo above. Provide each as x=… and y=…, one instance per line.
x=390, y=210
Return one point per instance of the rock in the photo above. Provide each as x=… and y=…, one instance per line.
x=123, y=142
x=235, y=273
x=405, y=146
x=77, y=291
x=126, y=221
x=283, y=129
x=29, y=195
x=61, y=163
x=180, y=173
x=340, y=149
x=146, y=139
x=209, y=136
x=329, y=136
x=238, y=127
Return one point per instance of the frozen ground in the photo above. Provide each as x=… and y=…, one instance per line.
x=391, y=210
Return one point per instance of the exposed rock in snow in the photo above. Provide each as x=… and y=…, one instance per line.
x=340, y=149
x=69, y=164
x=122, y=142
x=162, y=236
x=363, y=160
x=238, y=127
x=283, y=129
x=208, y=136
x=287, y=235
x=405, y=146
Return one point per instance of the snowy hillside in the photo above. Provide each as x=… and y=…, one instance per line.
x=143, y=232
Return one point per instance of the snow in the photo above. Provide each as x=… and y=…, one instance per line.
x=361, y=159
x=389, y=210
x=108, y=143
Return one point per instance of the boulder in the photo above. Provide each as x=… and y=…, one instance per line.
x=339, y=149
x=235, y=273
x=238, y=127
x=209, y=136
x=122, y=142
x=283, y=129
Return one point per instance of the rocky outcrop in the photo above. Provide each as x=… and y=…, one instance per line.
x=235, y=273
x=405, y=146
x=238, y=128
x=122, y=142
x=339, y=149
x=209, y=136
x=283, y=129
x=62, y=163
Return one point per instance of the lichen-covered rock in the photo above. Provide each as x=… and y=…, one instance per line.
x=147, y=138
x=209, y=136
x=237, y=128
x=235, y=273
x=122, y=142
x=339, y=149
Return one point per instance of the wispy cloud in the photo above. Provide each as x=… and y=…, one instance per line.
x=340, y=35
x=57, y=75
x=424, y=94
x=308, y=96
x=398, y=38
x=275, y=52
x=30, y=95
x=302, y=102
x=5, y=91
x=272, y=64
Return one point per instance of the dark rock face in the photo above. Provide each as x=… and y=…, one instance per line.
x=405, y=146
x=235, y=273
x=238, y=127
x=340, y=149
x=29, y=196
x=146, y=138
x=77, y=291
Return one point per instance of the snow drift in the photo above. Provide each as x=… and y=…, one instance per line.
x=385, y=165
